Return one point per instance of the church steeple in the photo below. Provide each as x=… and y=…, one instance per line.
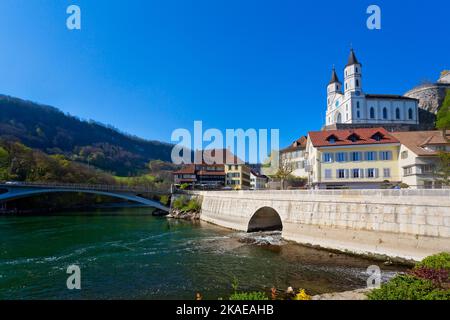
x=353, y=74
x=352, y=58
x=334, y=77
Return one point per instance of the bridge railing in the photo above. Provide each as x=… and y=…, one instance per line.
x=82, y=186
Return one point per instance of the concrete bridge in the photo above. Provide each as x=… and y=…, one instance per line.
x=17, y=190
x=403, y=224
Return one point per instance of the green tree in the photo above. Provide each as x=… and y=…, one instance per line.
x=443, y=115
x=443, y=169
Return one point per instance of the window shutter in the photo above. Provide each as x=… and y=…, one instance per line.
x=375, y=156
x=366, y=155
x=331, y=157
x=361, y=173
x=337, y=173
x=366, y=173
x=377, y=173
x=345, y=156
x=347, y=173
x=389, y=155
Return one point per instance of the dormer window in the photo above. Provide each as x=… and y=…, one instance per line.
x=353, y=137
x=378, y=136
x=332, y=139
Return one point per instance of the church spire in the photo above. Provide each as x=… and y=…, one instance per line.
x=352, y=58
x=334, y=77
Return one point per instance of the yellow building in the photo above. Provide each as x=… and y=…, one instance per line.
x=357, y=159
x=237, y=176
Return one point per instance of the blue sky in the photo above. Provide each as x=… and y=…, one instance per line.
x=149, y=67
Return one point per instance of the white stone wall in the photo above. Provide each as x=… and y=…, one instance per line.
x=405, y=224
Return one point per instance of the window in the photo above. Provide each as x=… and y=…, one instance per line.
x=358, y=114
x=372, y=113
x=371, y=156
x=355, y=156
x=386, y=172
x=407, y=171
x=410, y=114
x=397, y=113
x=327, y=157
x=357, y=82
x=353, y=137
x=339, y=118
x=355, y=173
x=385, y=113
x=341, y=157
x=370, y=173
x=427, y=168
x=328, y=174
x=385, y=155
x=341, y=173
x=357, y=69
x=404, y=155
x=230, y=167
x=357, y=104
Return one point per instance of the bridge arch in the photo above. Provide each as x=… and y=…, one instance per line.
x=14, y=194
x=265, y=219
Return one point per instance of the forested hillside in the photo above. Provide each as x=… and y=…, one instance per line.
x=53, y=132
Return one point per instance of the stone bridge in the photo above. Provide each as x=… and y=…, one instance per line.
x=403, y=224
x=16, y=190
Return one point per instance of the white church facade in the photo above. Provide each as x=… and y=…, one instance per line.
x=348, y=104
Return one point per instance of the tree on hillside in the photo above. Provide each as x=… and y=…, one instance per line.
x=443, y=116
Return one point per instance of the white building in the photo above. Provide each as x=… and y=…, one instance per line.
x=347, y=103
x=257, y=181
x=419, y=157
x=295, y=155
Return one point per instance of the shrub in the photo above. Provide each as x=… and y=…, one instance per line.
x=164, y=200
x=437, y=261
x=249, y=296
x=193, y=205
x=408, y=287
x=437, y=276
x=179, y=203
x=184, y=186
x=185, y=205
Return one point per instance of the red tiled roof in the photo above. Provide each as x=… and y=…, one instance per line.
x=416, y=141
x=298, y=144
x=227, y=156
x=365, y=136
x=187, y=169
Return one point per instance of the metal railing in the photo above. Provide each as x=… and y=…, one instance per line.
x=81, y=186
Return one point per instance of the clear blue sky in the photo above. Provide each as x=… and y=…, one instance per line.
x=149, y=67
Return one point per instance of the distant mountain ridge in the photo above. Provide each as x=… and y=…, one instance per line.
x=50, y=130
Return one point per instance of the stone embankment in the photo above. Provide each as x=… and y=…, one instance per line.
x=359, y=294
x=189, y=215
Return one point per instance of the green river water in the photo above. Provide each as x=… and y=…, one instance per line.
x=129, y=254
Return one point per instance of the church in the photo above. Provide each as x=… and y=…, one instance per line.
x=349, y=106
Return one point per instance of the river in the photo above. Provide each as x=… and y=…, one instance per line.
x=129, y=254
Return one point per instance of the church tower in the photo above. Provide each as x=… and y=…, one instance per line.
x=353, y=75
x=334, y=88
